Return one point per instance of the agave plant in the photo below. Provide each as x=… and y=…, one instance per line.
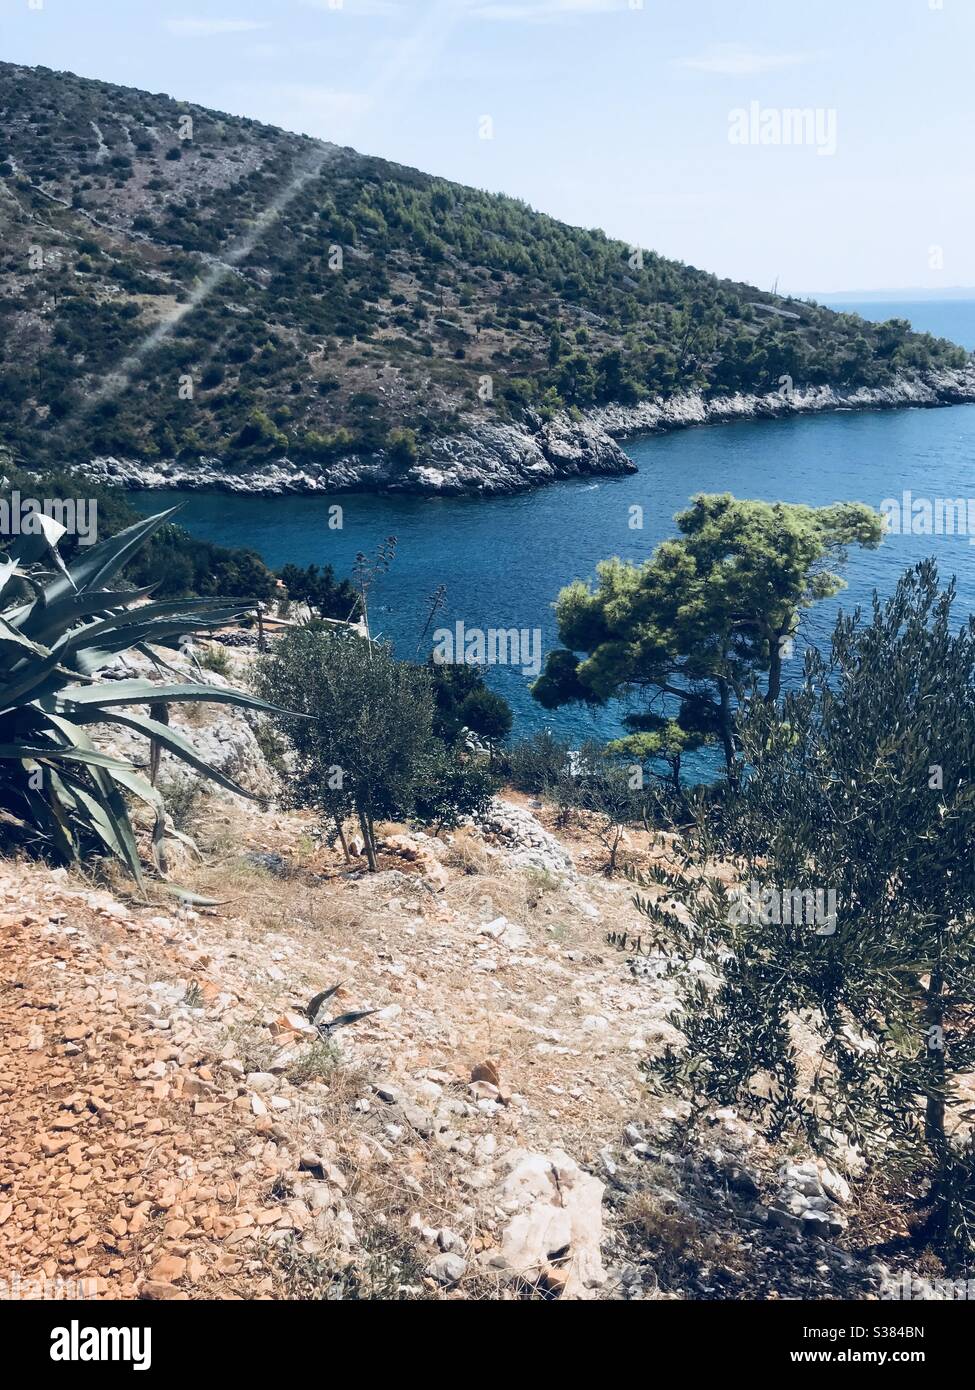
x=56, y=787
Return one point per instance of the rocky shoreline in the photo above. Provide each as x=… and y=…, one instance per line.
x=487, y=459
x=954, y=387
x=490, y=459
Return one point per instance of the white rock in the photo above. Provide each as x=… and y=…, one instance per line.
x=450, y=1242
x=261, y=1081
x=556, y=1210
x=447, y=1269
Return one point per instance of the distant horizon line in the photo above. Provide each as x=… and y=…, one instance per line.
x=904, y=294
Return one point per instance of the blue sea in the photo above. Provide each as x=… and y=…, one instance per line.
x=503, y=561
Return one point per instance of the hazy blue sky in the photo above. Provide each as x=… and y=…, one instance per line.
x=605, y=113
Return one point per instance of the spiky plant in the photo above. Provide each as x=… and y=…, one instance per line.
x=57, y=789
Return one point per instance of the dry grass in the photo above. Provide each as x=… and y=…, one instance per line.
x=416, y=956
x=391, y=941
x=676, y=1243
x=322, y=1062
x=254, y=1045
x=318, y=1062
x=515, y=895
x=213, y=656
x=197, y=715
x=469, y=853
x=662, y=1226
x=386, y=1268
x=278, y=902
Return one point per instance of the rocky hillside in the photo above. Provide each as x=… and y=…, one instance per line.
x=175, y=1127
x=194, y=297
x=181, y=1130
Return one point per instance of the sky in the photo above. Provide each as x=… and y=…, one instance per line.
x=665, y=122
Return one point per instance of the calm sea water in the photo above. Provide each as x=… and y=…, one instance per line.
x=503, y=561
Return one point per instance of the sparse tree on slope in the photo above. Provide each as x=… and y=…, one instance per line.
x=369, y=749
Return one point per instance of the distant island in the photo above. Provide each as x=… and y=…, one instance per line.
x=915, y=294
x=197, y=299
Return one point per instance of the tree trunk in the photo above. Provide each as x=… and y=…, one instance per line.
x=342, y=840
x=775, y=670
x=368, y=841
x=934, y=1110
x=726, y=730
x=934, y=1107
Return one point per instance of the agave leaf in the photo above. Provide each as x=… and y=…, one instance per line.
x=194, y=899
x=92, y=647
x=8, y=568
x=186, y=840
x=105, y=559
x=49, y=647
x=53, y=533
x=27, y=678
x=169, y=739
x=25, y=549
x=185, y=614
x=10, y=636
x=87, y=659
x=113, y=803
x=52, y=813
x=140, y=787
x=73, y=734
x=92, y=756
x=143, y=692
x=43, y=621
x=68, y=799
x=159, y=661
x=104, y=819
x=105, y=782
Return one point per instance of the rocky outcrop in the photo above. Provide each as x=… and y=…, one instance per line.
x=222, y=735
x=494, y=459
x=524, y=840
x=954, y=387
x=810, y=1199
x=553, y=1237
x=485, y=460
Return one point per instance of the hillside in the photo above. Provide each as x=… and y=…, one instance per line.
x=486, y=1133
x=180, y=283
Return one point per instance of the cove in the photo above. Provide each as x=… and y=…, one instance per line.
x=503, y=560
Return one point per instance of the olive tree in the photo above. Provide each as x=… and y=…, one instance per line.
x=369, y=749
x=858, y=806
